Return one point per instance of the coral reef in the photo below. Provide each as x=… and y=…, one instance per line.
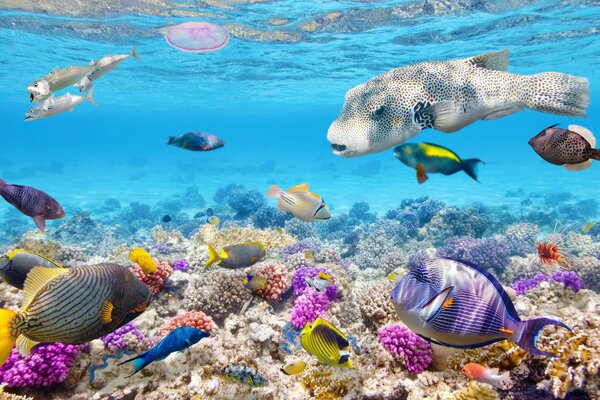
x=276, y=277
x=401, y=342
x=308, y=307
x=156, y=281
x=195, y=319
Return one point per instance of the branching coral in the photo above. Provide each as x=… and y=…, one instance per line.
x=276, y=277
x=299, y=284
x=504, y=355
x=321, y=384
x=195, y=319
x=156, y=281
x=402, y=342
x=124, y=338
x=270, y=238
x=375, y=304
x=477, y=391
x=308, y=307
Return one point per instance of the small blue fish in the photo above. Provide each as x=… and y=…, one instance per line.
x=457, y=304
x=178, y=339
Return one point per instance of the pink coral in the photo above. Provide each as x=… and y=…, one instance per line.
x=401, y=341
x=309, y=306
x=195, y=319
x=276, y=275
x=156, y=281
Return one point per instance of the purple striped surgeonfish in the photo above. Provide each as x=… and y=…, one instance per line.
x=72, y=306
x=32, y=202
x=457, y=304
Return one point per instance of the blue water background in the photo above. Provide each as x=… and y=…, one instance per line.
x=272, y=104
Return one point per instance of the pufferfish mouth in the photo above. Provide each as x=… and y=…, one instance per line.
x=341, y=150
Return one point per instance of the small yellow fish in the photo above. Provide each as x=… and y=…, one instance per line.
x=143, y=259
x=586, y=228
x=309, y=255
x=392, y=277
x=327, y=343
x=293, y=367
x=255, y=282
x=213, y=220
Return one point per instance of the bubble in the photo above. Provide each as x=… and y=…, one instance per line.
x=196, y=37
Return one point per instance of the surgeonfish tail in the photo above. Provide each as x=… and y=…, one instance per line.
x=557, y=93
x=274, y=191
x=90, y=98
x=134, y=54
x=138, y=363
x=530, y=331
x=213, y=256
x=471, y=167
x=7, y=342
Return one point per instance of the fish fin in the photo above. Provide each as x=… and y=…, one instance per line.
x=496, y=61
x=440, y=115
x=471, y=166
x=138, y=362
x=36, y=279
x=325, y=276
x=421, y=175
x=134, y=54
x=24, y=345
x=530, y=330
x=579, y=167
x=504, y=382
x=71, y=109
x=583, y=132
x=556, y=93
x=274, y=191
x=494, y=371
x=7, y=342
x=106, y=312
x=90, y=98
x=303, y=187
x=213, y=256
x=40, y=222
x=172, y=140
x=432, y=308
x=503, y=112
x=340, y=337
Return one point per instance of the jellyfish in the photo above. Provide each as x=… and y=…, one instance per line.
x=196, y=37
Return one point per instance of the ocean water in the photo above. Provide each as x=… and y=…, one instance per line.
x=271, y=95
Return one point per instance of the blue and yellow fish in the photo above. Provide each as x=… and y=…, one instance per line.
x=243, y=374
x=15, y=265
x=327, y=343
x=431, y=158
x=238, y=256
x=457, y=304
x=72, y=306
x=178, y=339
x=255, y=282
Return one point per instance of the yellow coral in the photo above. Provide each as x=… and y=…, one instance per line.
x=477, y=391
x=504, y=355
x=9, y=396
x=270, y=238
x=321, y=385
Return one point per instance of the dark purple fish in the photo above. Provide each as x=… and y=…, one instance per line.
x=573, y=147
x=196, y=141
x=32, y=202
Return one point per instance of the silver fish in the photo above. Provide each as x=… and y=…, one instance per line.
x=59, y=78
x=57, y=105
x=393, y=107
x=101, y=67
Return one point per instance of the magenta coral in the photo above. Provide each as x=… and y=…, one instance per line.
x=276, y=276
x=181, y=265
x=47, y=365
x=309, y=306
x=195, y=319
x=299, y=284
x=156, y=281
x=115, y=341
x=401, y=341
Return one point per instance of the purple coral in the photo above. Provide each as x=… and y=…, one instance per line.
x=181, y=265
x=299, y=284
x=308, y=307
x=488, y=253
x=47, y=365
x=567, y=278
x=400, y=341
x=115, y=341
x=301, y=246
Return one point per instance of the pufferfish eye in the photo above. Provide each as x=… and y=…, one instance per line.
x=377, y=112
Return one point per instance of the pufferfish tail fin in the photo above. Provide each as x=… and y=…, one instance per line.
x=7, y=342
x=557, y=93
x=529, y=332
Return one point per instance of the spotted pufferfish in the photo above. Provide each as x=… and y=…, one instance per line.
x=394, y=106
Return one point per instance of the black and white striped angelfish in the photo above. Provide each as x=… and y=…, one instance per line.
x=302, y=204
x=72, y=306
x=457, y=304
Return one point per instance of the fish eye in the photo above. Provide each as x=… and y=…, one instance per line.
x=378, y=111
x=408, y=150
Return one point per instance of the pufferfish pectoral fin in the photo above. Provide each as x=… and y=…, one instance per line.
x=421, y=175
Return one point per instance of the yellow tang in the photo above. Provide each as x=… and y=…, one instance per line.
x=327, y=343
x=143, y=259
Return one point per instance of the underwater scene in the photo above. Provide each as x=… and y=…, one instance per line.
x=289, y=199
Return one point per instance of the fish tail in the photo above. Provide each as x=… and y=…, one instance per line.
x=134, y=54
x=138, y=362
x=213, y=256
x=471, y=167
x=7, y=341
x=90, y=98
x=274, y=191
x=527, y=338
x=595, y=155
x=171, y=139
x=558, y=93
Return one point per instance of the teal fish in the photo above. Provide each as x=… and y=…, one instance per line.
x=178, y=339
x=15, y=265
x=457, y=304
x=243, y=374
x=72, y=306
x=431, y=158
